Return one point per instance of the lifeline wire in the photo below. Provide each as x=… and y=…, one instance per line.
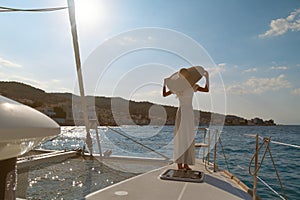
x=268, y=186
x=281, y=143
x=266, y=142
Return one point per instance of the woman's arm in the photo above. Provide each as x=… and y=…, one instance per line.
x=206, y=87
x=165, y=92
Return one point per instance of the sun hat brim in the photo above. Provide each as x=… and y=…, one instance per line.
x=178, y=83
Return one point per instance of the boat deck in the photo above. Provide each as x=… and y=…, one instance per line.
x=217, y=185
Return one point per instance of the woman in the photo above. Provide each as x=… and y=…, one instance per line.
x=184, y=133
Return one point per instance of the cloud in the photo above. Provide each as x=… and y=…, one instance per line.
x=250, y=70
x=256, y=85
x=296, y=92
x=55, y=80
x=222, y=64
x=7, y=63
x=279, y=68
x=26, y=80
x=237, y=89
x=141, y=96
x=215, y=71
x=283, y=25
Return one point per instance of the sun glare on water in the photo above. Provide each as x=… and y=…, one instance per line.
x=89, y=12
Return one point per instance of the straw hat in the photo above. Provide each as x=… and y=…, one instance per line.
x=192, y=74
x=185, y=78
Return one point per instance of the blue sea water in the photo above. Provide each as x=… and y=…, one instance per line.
x=238, y=149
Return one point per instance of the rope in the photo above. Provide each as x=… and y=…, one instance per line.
x=266, y=141
x=8, y=9
x=118, y=132
x=249, y=168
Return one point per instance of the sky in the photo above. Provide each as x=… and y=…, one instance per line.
x=250, y=48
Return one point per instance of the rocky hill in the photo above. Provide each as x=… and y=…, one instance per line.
x=28, y=95
x=60, y=106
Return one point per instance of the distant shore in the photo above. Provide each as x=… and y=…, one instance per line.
x=65, y=109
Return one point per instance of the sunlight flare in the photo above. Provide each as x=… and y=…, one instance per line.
x=89, y=12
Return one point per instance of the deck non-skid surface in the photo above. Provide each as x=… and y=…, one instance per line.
x=149, y=186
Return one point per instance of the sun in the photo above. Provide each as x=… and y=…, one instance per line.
x=89, y=12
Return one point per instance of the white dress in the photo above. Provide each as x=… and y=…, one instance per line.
x=184, y=133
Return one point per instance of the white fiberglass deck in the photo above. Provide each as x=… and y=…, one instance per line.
x=149, y=186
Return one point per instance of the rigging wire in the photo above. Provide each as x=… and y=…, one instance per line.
x=270, y=188
x=226, y=161
x=129, y=138
x=8, y=9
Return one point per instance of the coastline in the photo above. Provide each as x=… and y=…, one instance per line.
x=65, y=109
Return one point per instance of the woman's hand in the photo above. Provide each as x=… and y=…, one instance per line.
x=165, y=92
x=206, y=88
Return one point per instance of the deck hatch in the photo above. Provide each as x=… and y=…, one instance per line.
x=182, y=175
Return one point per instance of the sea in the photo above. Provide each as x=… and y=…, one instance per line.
x=235, y=149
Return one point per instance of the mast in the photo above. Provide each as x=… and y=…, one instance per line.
x=71, y=9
